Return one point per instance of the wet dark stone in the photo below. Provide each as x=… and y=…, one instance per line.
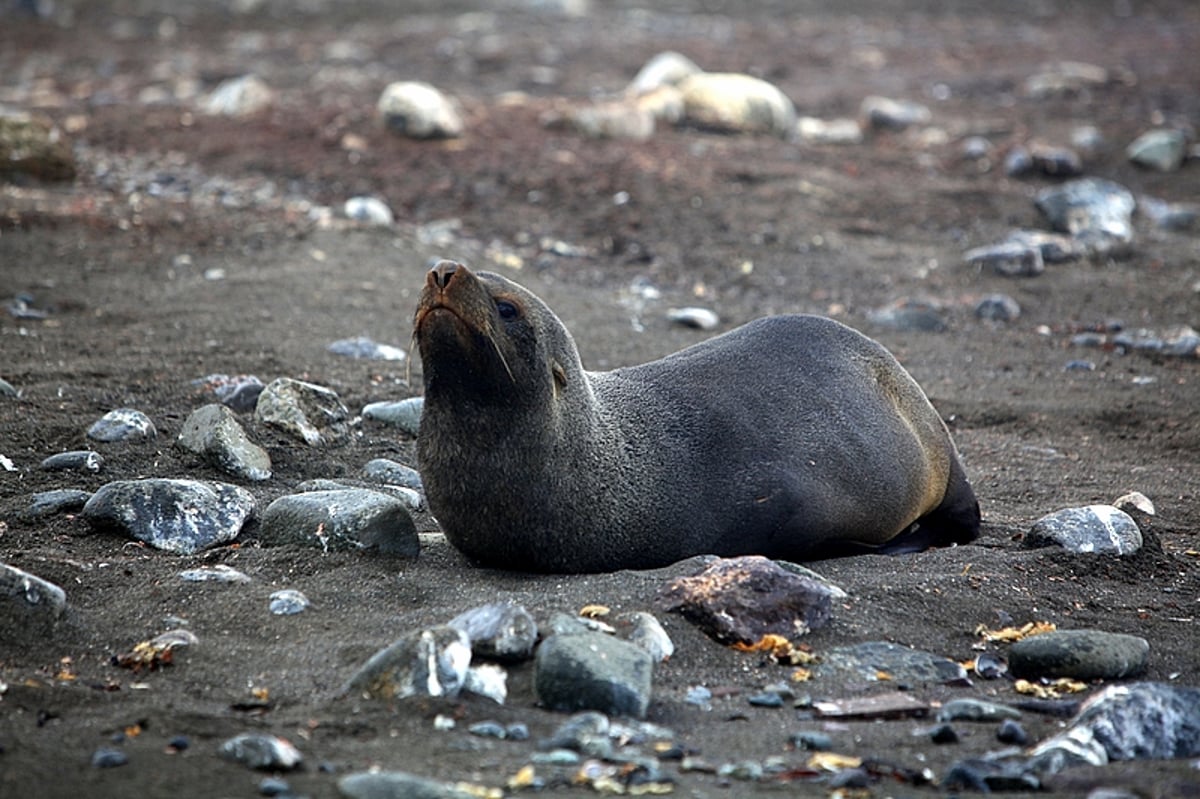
x=1011, y=732
x=1079, y=654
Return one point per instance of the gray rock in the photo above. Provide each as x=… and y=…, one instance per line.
x=430, y=662
x=32, y=146
x=864, y=662
x=648, y=633
x=122, y=424
x=593, y=671
x=287, y=602
x=1008, y=258
x=220, y=573
x=310, y=412
x=349, y=518
x=182, y=516
x=366, y=348
x=411, y=498
x=1169, y=216
x=419, y=111
x=8, y=390
x=29, y=605
x=82, y=460
x=239, y=392
x=736, y=103
x=501, y=630
x=1097, y=212
x=214, y=433
x=487, y=680
x=405, y=414
x=909, y=314
x=383, y=470
x=1080, y=655
x=240, y=96
x=397, y=785
x=884, y=113
x=1163, y=149
x=1182, y=341
x=1126, y=722
x=1055, y=248
x=61, y=500
x=106, y=757
x=261, y=751
x=614, y=120
x=698, y=318
x=371, y=210
x=986, y=775
x=664, y=69
x=969, y=709
x=997, y=308
x=1093, y=528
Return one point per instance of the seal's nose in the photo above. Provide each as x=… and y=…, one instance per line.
x=441, y=273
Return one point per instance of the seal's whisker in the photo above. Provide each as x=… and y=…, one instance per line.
x=496, y=346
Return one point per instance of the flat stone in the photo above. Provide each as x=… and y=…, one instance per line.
x=181, y=516
x=1080, y=655
x=593, y=671
x=240, y=96
x=1093, y=528
x=343, y=519
x=871, y=660
x=384, y=470
x=397, y=785
x=214, y=433
x=969, y=709
x=1008, y=258
x=261, y=751
x=430, y=662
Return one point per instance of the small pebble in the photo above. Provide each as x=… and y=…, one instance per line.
x=383, y=470
x=366, y=349
x=699, y=695
x=812, y=741
x=517, y=732
x=766, y=699
x=288, y=602
x=261, y=751
x=997, y=308
x=1079, y=366
x=488, y=729
x=179, y=743
x=76, y=460
x=7, y=389
x=699, y=318
x=1011, y=732
x=943, y=734
x=883, y=113
x=109, y=758
x=273, y=786
x=219, y=573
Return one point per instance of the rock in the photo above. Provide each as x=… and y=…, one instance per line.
x=1169, y=216
x=419, y=111
x=901, y=664
x=109, y=758
x=811, y=741
x=405, y=414
x=261, y=751
x=883, y=113
x=1065, y=77
x=1053, y=161
x=62, y=500
x=1126, y=722
x=341, y=520
x=736, y=103
x=239, y=392
x=220, y=573
x=665, y=69
x=238, y=97
x=1135, y=501
x=1163, y=149
x=988, y=775
x=1097, y=212
x=909, y=314
x=487, y=680
x=501, y=630
x=968, y=709
x=698, y=318
x=997, y=308
x=1182, y=341
x=370, y=210
x=122, y=424
x=1008, y=258
x=213, y=433
x=1011, y=732
x=593, y=671
x=310, y=412
x=614, y=120
x=649, y=634
x=383, y=470
x=829, y=131
x=430, y=662
x=29, y=605
x=8, y=390
x=32, y=147
x=287, y=602
x=1079, y=654
x=181, y=516
x=363, y=347
x=1093, y=528
x=739, y=600
x=397, y=785
x=943, y=734
x=81, y=460
x=1055, y=248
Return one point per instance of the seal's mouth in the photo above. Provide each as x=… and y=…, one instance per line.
x=456, y=313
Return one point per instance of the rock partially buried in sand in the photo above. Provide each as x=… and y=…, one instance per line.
x=1093, y=528
x=181, y=516
x=397, y=785
x=1080, y=655
x=341, y=519
x=122, y=424
x=593, y=671
x=28, y=604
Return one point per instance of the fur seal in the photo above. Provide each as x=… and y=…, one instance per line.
x=793, y=437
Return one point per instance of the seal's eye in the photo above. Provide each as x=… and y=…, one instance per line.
x=506, y=309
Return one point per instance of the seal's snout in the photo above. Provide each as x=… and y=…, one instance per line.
x=442, y=273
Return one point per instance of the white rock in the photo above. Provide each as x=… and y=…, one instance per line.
x=419, y=111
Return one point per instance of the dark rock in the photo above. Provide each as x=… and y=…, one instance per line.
x=742, y=599
x=943, y=734
x=182, y=516
x=109, y=758
x=383, y=470
x=238, y=392
x=864, y=662
x=593, y=671
x=997, y=308
x=812, y=741
x=1079, y=654
x=968, y=709
x=1094, y=528
x=985, y=776
x=61, y=500
x=122, y=424
x=1009, y=258
x=908, y=314
x=884, y=113
x=1011, y=732
x=82, y=460
x=341, y=520
x=431, y=662
x=29, y=605
x=501, y=630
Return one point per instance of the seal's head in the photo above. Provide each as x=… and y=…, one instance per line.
x=486, y=340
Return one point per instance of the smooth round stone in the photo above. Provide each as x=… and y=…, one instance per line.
x=419, y=111
x=736, y=103
x=1080, y=655
x=82, y=460
x=370, y=210
x=997, y=308
x=122, y=424
x=405, y=413
x=383, y=470
x=240, y=96
x=288, y=602
x=109, y=758
x=1093, y=528
x=1008, y=258
x=345, y=519
x=909, y=315
x=968, y=709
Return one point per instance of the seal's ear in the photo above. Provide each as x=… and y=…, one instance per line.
x=560, y=374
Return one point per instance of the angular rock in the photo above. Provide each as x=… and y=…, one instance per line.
x=593, y=671
x=181, y=516
x=1163, y=149
x=62, y=500
x=29, y=605
x=487, y=680
x=739, y=600
x=35, y=148
x=870, y=660
x=342, y=519
x=1093, y=528
x=419, y=111
x=648, y=633
x=214, y=433
x=260, y=751
x=310, y=412
x=240, y=96
x=287, y=602
x=1097, y=212
x=405, y=414
x=431, y=662
x=397, y=785
x=83, y=460
x=122, y=424
x=239, y=392
x=736, y=103
x=383, y=470
x=501, y=630
x=1080, y=655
